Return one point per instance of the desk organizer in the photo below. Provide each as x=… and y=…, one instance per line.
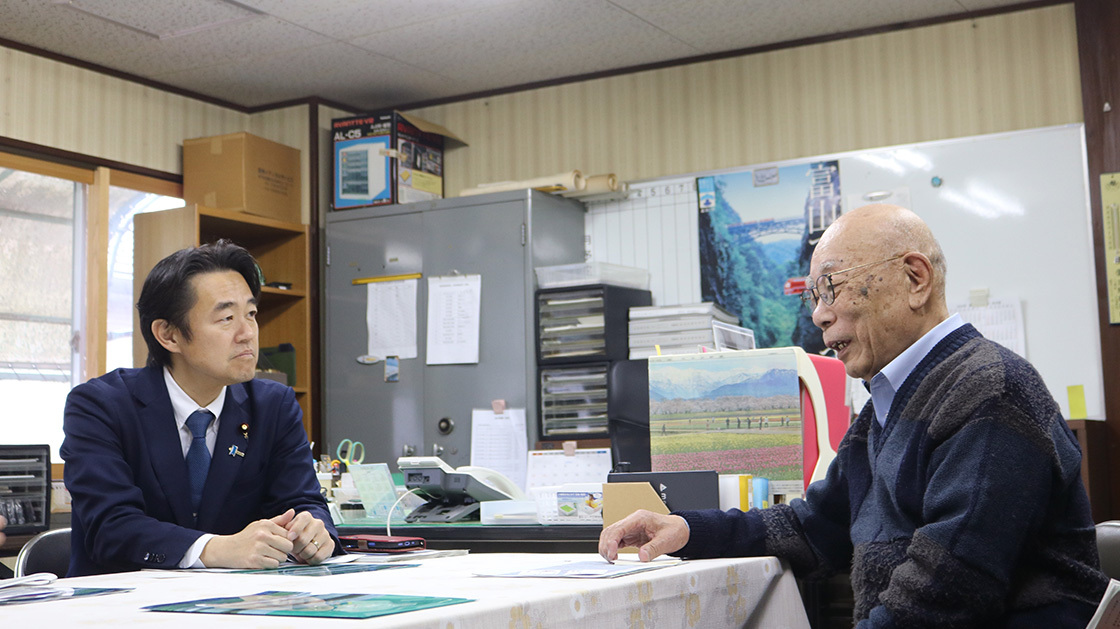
x=25, y=488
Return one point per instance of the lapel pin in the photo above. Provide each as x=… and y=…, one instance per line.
x=245, y=430
x=233, y=451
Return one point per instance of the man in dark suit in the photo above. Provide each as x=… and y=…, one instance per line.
x=190, y=461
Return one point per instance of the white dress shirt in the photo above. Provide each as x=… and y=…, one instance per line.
x=183, y=406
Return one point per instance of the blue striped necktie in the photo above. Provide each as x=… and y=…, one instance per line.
x=198, y=457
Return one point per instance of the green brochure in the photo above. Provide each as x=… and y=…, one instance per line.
x=305, y=604
x=326, y=570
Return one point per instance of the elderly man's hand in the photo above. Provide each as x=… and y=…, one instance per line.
x=654, y=534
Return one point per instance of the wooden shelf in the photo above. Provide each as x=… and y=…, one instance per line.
x=281, y=249
x=1092, y=436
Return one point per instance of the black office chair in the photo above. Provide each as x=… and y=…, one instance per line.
x=1108, y=547
x=48, y=551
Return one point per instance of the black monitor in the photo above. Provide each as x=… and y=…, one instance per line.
x=628, y=415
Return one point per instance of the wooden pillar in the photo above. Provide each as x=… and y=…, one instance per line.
x=1098, y=44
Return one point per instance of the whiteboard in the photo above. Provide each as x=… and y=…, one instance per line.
x=1011, y=212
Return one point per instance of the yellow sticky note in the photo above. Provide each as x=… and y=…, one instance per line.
x=1076, y=394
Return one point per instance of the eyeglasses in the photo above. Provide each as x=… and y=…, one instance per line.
x=824, y=289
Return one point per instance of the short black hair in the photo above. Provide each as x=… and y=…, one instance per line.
x=168, y=294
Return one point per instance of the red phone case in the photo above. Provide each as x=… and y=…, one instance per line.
x=381, y=543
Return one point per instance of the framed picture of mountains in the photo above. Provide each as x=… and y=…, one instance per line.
x=757, y=232
x=736, y=412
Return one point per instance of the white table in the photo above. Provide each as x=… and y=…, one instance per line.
x=750, y=592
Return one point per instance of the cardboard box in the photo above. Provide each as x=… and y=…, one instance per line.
x=387, y=157
x=243, y=172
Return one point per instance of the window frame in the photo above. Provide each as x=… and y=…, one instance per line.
x=93, y=292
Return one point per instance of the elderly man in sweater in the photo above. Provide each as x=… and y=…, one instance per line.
x=955, y=498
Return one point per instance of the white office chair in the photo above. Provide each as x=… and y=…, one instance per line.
x=48, y=551
x=1108, y=547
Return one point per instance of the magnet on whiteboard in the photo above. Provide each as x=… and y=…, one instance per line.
x=369, y=359
x=935, y=182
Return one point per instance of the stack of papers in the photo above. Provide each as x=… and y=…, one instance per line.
x=586, y=569
x=38, y=587
x=674, y=329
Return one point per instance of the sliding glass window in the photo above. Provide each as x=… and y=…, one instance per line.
x=66, y=302
x=124, y=204
x=41, y=252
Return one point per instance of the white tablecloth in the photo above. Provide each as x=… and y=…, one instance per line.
x=753, y=592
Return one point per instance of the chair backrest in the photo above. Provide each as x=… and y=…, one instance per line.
x=46, y=552
x=1108, y=547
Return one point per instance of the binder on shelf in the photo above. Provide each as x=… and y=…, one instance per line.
x=709, y=308
x=703, y=336
x=673, y=324
x=642, y=353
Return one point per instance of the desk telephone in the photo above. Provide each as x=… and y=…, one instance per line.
x=453, y=494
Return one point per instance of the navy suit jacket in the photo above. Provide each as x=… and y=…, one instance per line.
x=127, y=476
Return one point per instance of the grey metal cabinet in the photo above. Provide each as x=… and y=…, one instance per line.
x=502, y=237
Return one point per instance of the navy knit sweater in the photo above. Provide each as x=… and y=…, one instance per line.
x=965, y=510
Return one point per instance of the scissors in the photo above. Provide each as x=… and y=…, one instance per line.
x=350, y=451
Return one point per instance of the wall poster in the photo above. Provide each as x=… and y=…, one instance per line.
x=757, y=233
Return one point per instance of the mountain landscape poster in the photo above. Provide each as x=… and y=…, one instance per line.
x=733, y=412
x=757, y=233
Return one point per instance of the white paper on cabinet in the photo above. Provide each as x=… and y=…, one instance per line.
x=453, y=319
x=391, y=318
x=499, y=442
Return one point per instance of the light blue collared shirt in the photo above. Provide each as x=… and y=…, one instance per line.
x=885, y=384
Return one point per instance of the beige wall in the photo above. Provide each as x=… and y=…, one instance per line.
x=1006, y=72
x=1001, y=73
x=65, y=107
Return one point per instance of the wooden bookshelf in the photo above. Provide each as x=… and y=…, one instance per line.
x=281, y=249
x=1092, y=436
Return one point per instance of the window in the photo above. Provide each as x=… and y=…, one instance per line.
x=125, y=203
x=41, y=240
x=60, y=321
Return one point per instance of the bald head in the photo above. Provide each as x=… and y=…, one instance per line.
x=882, y=278
x=880, y=231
